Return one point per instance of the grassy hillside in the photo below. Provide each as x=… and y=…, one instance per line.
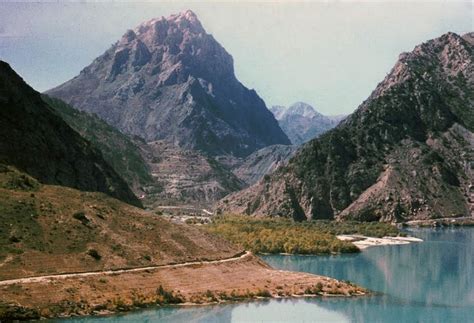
x=47, y=229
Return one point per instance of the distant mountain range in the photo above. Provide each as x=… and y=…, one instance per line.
x=406, y=152
x=301, y=122
x=169, y=80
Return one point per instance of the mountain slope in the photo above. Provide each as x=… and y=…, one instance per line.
x=34, y=139
x=406, y=153
x=66, y=253
x=185, y=177
x=302, y=123
x=159, y=172
x=169, y=80
x=120, y=151
x=262, y=162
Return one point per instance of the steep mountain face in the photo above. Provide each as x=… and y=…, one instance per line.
x=406, y=153
x=263, y=162
x=34, y=139
x=169, y=80
x=302, y=123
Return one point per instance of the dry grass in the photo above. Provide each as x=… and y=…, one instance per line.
x=196, y=284
x=52, y=229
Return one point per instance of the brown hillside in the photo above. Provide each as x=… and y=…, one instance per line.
x=49, y=229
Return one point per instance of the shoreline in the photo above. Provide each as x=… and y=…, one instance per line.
x=364, y=242
x=106, y=313
x=183, y=285
x=442, y=222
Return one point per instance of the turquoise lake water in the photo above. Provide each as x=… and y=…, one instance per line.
x=432, y=281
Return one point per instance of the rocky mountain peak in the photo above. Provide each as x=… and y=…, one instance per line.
x=156, y=31
x=177, y=47
x=301, y=122
x=450, y=53
x=303, y=109
x=168, y=79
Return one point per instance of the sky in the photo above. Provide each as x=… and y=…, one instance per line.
x=328, y=54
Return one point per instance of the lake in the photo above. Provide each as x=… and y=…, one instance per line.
x=432, y=281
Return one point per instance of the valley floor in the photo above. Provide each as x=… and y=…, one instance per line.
x=187, y=283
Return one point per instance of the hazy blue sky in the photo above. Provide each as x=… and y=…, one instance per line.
x=330, y=55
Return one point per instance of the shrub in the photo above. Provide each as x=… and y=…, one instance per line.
x=81, y=216
x=94, y=254
x=167, y=297
x=263, y=293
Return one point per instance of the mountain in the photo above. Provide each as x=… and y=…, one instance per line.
x=262, y=162
x=302, y=123
x=169, y=80
x=159, y=172
x=405, y=153
x=34, y=139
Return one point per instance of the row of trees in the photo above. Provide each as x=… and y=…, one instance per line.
x=270, y=235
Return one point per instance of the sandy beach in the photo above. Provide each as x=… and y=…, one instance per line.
x=363, y=242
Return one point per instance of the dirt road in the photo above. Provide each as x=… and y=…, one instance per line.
x=37, y=279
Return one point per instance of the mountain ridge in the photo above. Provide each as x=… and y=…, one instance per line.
x=402, y=155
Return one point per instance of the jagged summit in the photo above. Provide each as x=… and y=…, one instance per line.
x=184, y=20
x=449, y=52
x=169, y=80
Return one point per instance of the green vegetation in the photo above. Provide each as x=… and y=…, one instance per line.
x=168, y=297
x=270, y=235
x=117, y=149
x=12, y=179
x=94, y=254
